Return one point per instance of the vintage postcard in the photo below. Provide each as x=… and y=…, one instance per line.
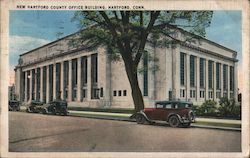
x=124, y=79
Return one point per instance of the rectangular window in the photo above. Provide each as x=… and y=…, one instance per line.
x=114, y=93
x=74, y=79
x=210, y=94
x=94, y=68
x=51, y=82
x=210, y=74
x=225, y=77
x=33, y=84
x=145, y=75
x=38, y=79
x=124, y=92
x=202, y=77
x=192, y=93
x=66, y=79
x=44, y=83
x=28, y=85
x=84, y=66
x=182, y=93
x=119, y=93
x=231, y=78
x=192, y=71
x=202, y=94
x=218, y=76
x=84, y=72
x=23, y=86
x=58, y=80
x=94, y=76
x=182, y=68
x=101, y=92
x=83, y=94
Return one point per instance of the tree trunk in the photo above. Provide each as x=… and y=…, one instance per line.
x=137, y=96
x=136, y=91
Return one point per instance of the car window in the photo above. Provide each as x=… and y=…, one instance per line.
x=168, y=106
x=174, y=106
x=185, y=105
x=159, y=105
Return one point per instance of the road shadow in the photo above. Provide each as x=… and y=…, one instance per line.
x=49, y=135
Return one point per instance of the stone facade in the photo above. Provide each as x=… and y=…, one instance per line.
x=197, y=71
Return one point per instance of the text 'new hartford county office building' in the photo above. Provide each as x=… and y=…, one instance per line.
x=197, y=71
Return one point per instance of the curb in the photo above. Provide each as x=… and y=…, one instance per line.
x=217, y=127
x=103, y=117
x=131, y=120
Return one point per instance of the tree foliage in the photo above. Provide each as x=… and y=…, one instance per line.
x=126, y=33
x=208, y=108
x=229, y=108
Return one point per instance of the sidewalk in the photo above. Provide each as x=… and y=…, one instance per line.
x=211, y=123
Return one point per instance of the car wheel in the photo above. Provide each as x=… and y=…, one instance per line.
x=44, y=111
x=140, y=119
x=53, y=111
x=174, y=121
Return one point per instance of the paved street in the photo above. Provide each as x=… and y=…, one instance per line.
x=37, y=132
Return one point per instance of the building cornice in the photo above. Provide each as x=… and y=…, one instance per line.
x=207, y=51
x=40, y=60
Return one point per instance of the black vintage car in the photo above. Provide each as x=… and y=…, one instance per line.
x=14, y=105
x=54, y=107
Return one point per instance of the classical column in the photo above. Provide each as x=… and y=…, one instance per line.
x=26, y=86
x=176, y=72
x=187, y=76
x=54, y=81
x=197, y=78
x=41, y=84
x=228, y=81
x=221, y=80
x=89, y=78
x=62, y=80
x=206, y=80
x=79, y=79
x=47, y=84
x=70, y=81
x=31, y=76
x=235, y=79
x=214, y=80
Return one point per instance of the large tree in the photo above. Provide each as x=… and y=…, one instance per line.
x=126, y=33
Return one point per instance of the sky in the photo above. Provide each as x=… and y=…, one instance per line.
x=31, y=29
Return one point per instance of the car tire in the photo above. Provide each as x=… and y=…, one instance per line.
x=140, y=119
x=53, y=111
x=174, y=121
x=44, y=111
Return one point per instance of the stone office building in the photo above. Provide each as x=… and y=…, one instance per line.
x=197, y=71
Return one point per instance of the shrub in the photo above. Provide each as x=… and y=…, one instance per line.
x=208, y=108
x=228, y=108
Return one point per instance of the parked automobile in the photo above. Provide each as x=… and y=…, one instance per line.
x=14, y=105
x=54, y=107
x=176, y=113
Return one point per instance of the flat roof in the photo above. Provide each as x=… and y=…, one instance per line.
x=182, y=30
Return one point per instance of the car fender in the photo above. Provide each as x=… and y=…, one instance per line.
x=140, y=113
x=46, y=109
x=171, y=114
